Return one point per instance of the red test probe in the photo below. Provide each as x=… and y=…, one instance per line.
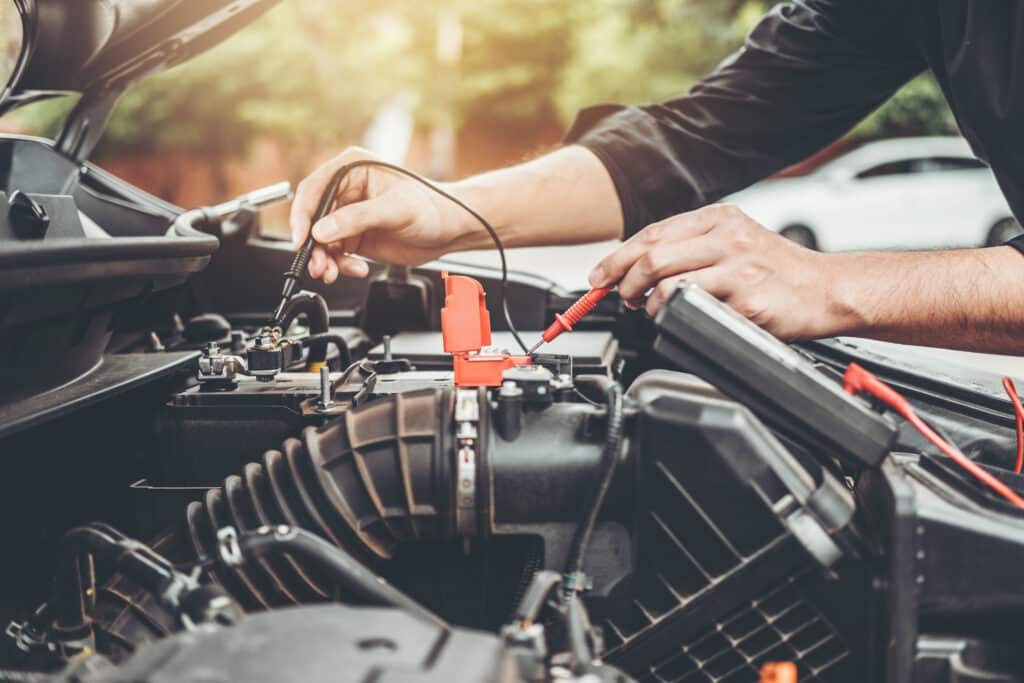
x=564, y=321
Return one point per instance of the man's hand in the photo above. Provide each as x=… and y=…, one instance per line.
x=381, y=215
x=774, y=282
x=566, y=197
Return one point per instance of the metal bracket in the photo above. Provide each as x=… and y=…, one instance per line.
x=217, y=367
x=84, y=126
x=467, y=419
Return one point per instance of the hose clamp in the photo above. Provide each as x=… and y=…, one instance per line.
x=227, y=544
x=467, y=420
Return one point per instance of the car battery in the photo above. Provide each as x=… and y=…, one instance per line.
x=590, y=352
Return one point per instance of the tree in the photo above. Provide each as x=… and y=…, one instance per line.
x=313, y=72
x=298, y=73
x=919, y=108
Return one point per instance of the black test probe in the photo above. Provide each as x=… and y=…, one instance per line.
x=301, y=260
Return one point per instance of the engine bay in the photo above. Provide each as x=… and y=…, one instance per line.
x=377, y=488
x=377, y=481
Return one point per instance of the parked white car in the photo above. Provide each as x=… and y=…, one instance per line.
x=901, y=193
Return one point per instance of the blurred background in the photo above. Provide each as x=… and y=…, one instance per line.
x=453, y=87
x=449, y=87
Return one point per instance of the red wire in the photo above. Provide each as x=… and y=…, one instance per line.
x=1011, y=391
x=857, y=379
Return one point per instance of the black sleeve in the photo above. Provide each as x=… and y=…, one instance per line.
x=1016, y=242
x=808, y=72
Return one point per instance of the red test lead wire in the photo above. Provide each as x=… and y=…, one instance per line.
x=1018, y=410
x=564, y=321
x=857, y=379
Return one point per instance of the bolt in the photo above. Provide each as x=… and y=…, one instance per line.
x=325, y=387
x=387, y=347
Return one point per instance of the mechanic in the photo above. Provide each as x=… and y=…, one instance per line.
x=807, y=73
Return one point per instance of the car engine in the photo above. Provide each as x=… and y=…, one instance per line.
x=192, y=494
x=369, y=484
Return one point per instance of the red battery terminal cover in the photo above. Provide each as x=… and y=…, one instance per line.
x=466, y=329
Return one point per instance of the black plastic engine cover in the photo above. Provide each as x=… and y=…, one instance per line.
x=310, y=644
x=732, y=534
x=953, y=556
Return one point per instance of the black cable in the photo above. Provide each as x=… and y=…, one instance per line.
x=344, y=568
x=536, y=595
x=318, y=318
x=533, y=563
x=586, y=398
x=348, y=372
x=142, y=564
x=301, y=260
x=330, y=338
x=609, y=461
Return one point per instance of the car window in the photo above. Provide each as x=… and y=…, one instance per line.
x=899, y=167
x=931, y=164
x=921, y=165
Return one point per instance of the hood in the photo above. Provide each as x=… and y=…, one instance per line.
x=97, y=48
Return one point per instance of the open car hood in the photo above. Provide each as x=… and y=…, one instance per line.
x=100, y=47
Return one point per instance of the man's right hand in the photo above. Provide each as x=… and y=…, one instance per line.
x=379, y=214
x=566, y=197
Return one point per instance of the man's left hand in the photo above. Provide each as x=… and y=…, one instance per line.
x=779, y=285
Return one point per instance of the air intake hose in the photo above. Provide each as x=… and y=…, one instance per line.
x=369, y=481
x=381, y=475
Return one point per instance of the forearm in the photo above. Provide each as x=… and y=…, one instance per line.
x=971, y=299
x=566, y=197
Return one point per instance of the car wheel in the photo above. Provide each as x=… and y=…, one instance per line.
x=1003, y=231
x=800, y=234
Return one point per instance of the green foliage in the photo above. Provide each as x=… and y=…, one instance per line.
x=513, y=59
x=294, y=74
x=314, y=71
x=648, y=50
x=44, y=118
x=919, y=108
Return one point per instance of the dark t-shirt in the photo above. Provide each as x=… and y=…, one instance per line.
x=807, y=73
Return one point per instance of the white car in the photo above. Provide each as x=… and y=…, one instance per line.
x=901, y=193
